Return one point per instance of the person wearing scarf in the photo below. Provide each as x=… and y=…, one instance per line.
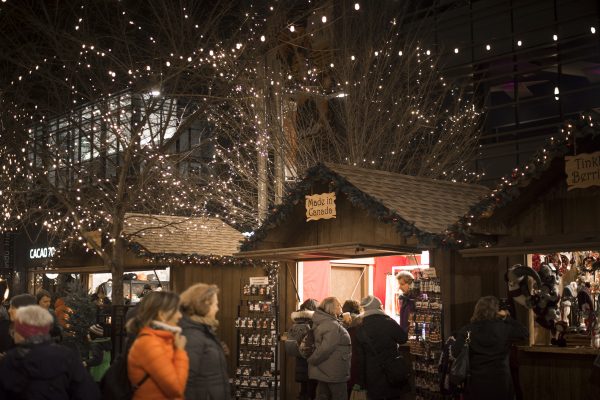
x=157, y=362
x=208, y=378
x=38, y=368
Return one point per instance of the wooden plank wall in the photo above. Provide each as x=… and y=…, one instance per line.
x=352, y=224
x=289, y=304
x=547, y=376
x=465, y=280
x=230, y=279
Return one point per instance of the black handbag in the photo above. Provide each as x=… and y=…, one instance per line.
x=396, y=370
x=460, y=369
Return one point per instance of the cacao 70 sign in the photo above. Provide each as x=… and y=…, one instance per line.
x=320, y=206
x=583, y=170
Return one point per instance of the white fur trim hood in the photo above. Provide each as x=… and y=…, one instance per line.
x=304, y=314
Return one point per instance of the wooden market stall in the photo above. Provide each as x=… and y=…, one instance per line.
x=341, y=212
x=549, y=212
x=194, y=249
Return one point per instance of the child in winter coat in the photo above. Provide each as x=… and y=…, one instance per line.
x=100, y=348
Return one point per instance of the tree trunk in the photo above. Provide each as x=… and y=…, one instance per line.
x=116, y=268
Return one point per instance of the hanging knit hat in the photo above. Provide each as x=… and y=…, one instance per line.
x=370, y=303
x=97, y=330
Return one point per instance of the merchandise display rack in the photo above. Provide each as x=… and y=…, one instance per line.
x=257, y=372
x=425, y=337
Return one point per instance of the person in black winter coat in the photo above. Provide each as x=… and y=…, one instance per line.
x=38, y=368
x=378, y=337
x=302, y=323
x=208, y=378
x=491, y=333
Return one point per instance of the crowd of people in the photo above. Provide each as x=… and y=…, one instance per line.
x=173, y=351
x=351, y=342
x=354, y=342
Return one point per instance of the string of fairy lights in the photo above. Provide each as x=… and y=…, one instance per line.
x=131, y=99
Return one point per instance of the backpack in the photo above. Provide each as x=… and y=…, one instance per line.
x=115, y=384
x=307, y=344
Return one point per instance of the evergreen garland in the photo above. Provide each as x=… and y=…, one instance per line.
x=510, y=186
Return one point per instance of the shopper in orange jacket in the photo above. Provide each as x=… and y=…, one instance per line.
x=157, y=362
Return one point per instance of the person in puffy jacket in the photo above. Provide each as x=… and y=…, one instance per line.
x=38, y=368
x=157, y=362
x=208, y=378
x=329, y=364
x=302, y=323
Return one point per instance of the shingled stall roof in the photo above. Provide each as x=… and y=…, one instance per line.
x=166, y=234
x=431, y=205
x=418, y=206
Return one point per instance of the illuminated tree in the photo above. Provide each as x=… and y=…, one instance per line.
x=350, y=83
x=103, y=113
x=207, y=107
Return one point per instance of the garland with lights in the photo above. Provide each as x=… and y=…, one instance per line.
x=198, y=259
x=373, y=207
x=510, y=186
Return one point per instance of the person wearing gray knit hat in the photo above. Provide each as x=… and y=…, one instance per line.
x=377, y=340
x=371, y=303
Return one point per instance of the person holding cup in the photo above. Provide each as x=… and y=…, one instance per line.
x=157, y=362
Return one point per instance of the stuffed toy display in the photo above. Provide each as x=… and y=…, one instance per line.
x=586, y=306
x=568, y=296
x=543, y=300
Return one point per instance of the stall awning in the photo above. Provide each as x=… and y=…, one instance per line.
x=536, y=245
x=93, y=269
x=328, y=252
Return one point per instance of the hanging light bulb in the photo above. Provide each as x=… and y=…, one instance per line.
x=356, y=6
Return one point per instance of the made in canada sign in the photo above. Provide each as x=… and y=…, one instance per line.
x=583, y=170
x=320, y=206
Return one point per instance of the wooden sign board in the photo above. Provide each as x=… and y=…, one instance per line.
x=320, y=206
x=583, y=170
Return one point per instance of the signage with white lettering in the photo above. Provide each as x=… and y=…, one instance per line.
x=583, y=170
x=42, y=252
x=259, y=280
x=320, y=206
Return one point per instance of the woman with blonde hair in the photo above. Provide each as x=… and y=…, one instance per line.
x=208, y=377
x=329, y=364
x=491, y=332
x=157, y=362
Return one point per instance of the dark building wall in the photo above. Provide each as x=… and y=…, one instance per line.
x=514, y=83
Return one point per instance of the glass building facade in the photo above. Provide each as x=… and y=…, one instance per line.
x=531, y=64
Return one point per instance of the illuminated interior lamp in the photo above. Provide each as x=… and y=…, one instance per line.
x=51, y=276
x=425, y=257
x=593, y=29
x=556, y=93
